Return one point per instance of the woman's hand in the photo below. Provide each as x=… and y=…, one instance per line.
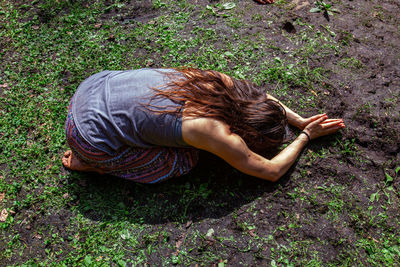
x=320, y=125
x=304, y=122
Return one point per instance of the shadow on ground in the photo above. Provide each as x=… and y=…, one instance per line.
x=212, y=190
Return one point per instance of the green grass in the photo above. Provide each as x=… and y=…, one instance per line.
x=60, y=218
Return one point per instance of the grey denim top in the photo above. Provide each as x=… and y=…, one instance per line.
x=109, y=112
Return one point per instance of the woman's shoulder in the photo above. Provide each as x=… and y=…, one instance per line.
x=204, y=133
x=204, y=125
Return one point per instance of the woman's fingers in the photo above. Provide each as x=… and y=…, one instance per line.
x=316, y=117
x=322, y=118
x=320, y=125
x=323, y=126
x=309, y=120
x=330, y=128
x=326, y=125
x=332, y=120
x=333, y=129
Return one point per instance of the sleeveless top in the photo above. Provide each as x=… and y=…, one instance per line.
x=109, y=110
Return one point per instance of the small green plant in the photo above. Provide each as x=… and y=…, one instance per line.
x=326, y=8
x=158, y=4
x=389, y=178
x=218, y=9
x=386, y=188
x=347, y=148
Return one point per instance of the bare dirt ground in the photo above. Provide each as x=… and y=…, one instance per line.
x=335, y=206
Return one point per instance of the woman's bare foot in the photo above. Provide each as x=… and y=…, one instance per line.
x=72, y=162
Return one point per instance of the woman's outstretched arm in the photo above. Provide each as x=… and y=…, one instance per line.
x=215, y=137
x=294, y=118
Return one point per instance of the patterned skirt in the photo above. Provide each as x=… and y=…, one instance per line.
x=143, y=165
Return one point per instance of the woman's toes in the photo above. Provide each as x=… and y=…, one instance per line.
x=65, y=162
x=67, y=159
x=72, y=162
x=67, y=153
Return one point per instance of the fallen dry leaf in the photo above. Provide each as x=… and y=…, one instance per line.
x=3, y=215
x=4, y=85
x=37, y=236
x=66, y=195
x=251, y=232
x=210, y=232
x=176, y=253
x=35, y=27
x=178, y=243
x=188, y=224
x=48, y=166
x=111, y=37
x=98, y=25
x=314, y=93
x=149, y=63
x=179, y=240
x=2, y=195
x=210, y=241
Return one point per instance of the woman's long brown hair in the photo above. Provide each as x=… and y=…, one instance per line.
x=260, y=121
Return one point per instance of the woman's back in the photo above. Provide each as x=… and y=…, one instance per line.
x=116, y=108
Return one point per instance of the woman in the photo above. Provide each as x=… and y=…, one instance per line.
x=147, y=125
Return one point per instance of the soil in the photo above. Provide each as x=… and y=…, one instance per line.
x=365, y=96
